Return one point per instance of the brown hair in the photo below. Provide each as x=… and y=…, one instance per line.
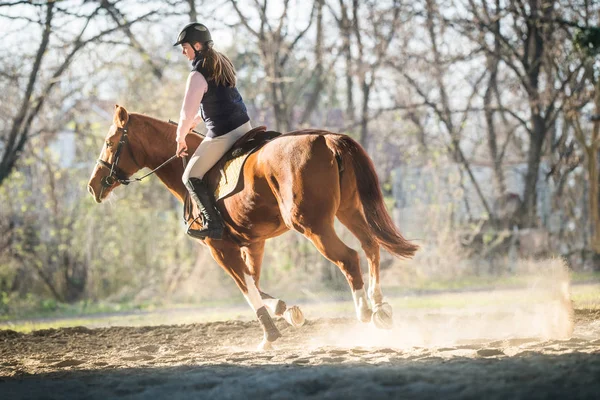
x=218, y=66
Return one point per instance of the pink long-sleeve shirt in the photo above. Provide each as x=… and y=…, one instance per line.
x=190, y=116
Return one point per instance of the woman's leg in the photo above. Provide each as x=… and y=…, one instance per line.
x=204, y=158
x=210, y=151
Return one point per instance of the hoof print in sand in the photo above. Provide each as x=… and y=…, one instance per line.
x=68, y=363
x=489, y=352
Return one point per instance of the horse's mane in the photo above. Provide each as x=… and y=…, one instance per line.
x=166, y=128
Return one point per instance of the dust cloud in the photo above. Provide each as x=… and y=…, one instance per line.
x=494, y=344
x=541, y=308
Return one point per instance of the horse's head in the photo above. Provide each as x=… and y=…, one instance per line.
x=117, y=161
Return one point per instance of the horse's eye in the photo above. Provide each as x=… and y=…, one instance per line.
x=108, y=144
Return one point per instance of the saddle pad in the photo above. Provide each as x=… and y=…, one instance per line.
x=231, y=164
x=230, y=176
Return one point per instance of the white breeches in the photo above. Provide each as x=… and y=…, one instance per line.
x=210, y=151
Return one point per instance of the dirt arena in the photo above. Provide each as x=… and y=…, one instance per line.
x=545, y=350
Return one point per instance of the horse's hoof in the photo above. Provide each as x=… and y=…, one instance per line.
x=382, y=316
x=265, y=345
x=294, y=316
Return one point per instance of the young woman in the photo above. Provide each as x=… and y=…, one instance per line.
x=211, y=95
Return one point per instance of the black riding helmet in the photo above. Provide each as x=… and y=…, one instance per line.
x=194, y=32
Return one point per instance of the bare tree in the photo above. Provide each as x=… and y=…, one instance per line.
x=121, y=20
x=372, y=36
x=435, y=93
x=492, y=64
x=37, y=89
x=525, y=46
x=345, y=26
x=319, y=76
x=584, y=94
x=276, y=45
x=193, y=14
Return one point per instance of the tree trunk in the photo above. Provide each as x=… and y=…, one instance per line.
x=529, y=211
x=192, y=13
x=362, y=66
x=532, y=62
x=592, y=164
x=593, y=196
x=492, y=62
x=319, y=84
x=364, y=115
x=346, y=36
x=17, y=136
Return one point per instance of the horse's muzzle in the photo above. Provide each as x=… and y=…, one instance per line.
x=91, y=191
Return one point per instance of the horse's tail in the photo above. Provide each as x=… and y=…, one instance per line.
x=379, y=221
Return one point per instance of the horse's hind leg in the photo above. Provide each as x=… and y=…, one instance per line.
x=309, y=198
x=331, y=246
x=229, y=257
x=353, y=219
x=253, y=257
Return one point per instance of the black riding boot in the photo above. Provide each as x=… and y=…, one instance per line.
x=213, y=224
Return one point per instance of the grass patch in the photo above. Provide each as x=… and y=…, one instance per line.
x=485, y=282
x=469, y=291
x=53, y=309
x=167, y=316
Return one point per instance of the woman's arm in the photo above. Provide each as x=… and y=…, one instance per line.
x=195, y=88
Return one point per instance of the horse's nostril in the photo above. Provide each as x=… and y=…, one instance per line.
x=90, y=190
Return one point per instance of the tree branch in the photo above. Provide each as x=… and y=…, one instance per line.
x=243, y=19
x=9, y=154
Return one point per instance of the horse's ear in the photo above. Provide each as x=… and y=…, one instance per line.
x=121, y=116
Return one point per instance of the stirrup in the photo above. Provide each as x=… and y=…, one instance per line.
x=205, y=232
x=214, y=233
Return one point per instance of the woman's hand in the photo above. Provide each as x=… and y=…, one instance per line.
x=181, y=148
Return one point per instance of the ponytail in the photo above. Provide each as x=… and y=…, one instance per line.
x=218, y=66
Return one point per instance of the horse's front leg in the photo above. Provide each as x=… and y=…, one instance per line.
x=229, y=257
x=293, y=315
x=252, y=255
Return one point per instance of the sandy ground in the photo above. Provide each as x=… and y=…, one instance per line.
x=500, y=350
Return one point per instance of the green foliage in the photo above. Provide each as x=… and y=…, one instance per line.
x=587, y=40
x=48, y=305
x=4, y=302
x=64, y=247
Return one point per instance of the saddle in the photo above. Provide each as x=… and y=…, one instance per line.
x=224, y=177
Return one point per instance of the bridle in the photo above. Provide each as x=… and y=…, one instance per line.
x=116, y=174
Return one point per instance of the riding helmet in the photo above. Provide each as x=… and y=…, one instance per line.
x=194, y=32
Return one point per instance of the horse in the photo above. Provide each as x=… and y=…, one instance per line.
x=300, y=181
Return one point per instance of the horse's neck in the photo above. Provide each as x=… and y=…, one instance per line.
x=170, y=175
x=159, y=147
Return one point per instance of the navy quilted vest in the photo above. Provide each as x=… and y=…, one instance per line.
x=222, y=107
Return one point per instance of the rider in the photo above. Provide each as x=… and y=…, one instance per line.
x=211, y=95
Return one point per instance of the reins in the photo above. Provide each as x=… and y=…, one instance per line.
x=116, y=174
x=128, y=181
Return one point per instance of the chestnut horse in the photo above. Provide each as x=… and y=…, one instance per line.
x=301, y=180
